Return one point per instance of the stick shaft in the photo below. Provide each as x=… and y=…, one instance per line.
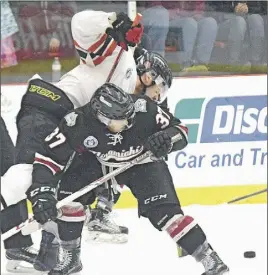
x=247, y=196
x=78, y=194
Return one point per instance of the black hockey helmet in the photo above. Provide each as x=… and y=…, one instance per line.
x=159, y=70
x=111, y=102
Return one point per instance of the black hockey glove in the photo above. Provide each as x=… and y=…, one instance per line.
x=43, y=203
x=122, y=23
x=159, y=144
x=123, y=32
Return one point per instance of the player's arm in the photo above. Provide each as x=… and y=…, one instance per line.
x=49, y=164
x=167, y=127
x=172, y=127
x=177, y=129
x=90, y=23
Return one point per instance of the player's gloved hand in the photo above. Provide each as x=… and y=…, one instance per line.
x=122, y=23
x=43, y=203
x=118, y=37
x=123, y=32
x=159, y=144
x=133, y=36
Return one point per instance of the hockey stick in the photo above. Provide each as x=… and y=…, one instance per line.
x=135, y=23
x=35, y=225
x=247, y=196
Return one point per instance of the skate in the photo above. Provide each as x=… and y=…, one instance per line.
x=17, y=257
x=69, y=259
x=102, y=229
x=183, y=253
x=48, y=254
x=212, y=262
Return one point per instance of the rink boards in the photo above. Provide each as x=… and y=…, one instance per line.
x=227, y=152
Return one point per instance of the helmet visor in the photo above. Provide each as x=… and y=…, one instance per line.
x=162, y=85
x=122, y=124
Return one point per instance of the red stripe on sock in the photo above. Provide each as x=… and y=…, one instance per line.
x=177, y=226
x=72, y=212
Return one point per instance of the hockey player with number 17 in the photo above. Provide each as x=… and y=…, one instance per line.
x=87, y=130
x=99, y=38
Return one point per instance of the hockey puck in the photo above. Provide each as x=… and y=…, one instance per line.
x=250, y=254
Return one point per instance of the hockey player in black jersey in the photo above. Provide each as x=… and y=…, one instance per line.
x=116, y=128
x=154, y=80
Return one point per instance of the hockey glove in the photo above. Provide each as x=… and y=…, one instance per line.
x=123, y=32
x=133, y=36
x=159, y=144
x=43, y=203
x=118, y=37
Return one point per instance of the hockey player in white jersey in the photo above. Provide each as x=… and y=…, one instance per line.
x=103, y=41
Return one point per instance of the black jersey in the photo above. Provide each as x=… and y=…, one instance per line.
x=80, y=131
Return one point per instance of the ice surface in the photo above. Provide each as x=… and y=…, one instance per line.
x=231, y=230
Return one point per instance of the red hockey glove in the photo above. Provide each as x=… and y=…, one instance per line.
x=134, y=34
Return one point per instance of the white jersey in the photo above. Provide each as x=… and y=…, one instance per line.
x=88, y=28
x=80, y=83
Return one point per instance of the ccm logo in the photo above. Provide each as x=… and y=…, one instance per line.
x=42, y=189
x=155, y=198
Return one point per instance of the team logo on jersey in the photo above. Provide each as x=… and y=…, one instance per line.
x=90, y=142
x=116, y=138
x=71, y=119
x=129, y=73
x=124, y=155
x=140, y=105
